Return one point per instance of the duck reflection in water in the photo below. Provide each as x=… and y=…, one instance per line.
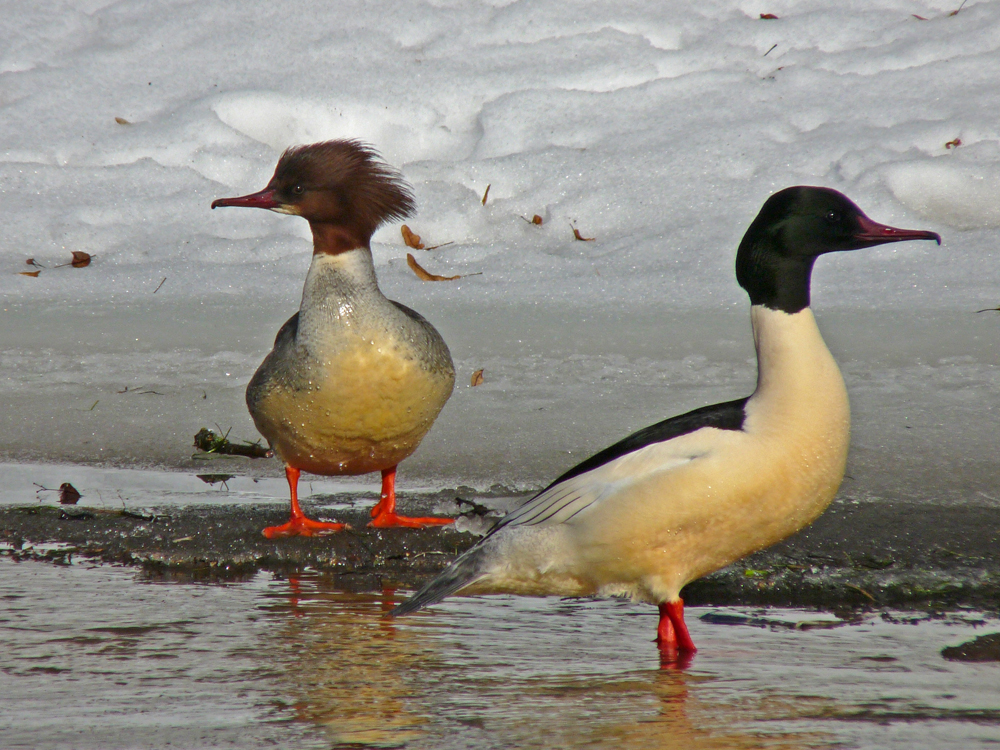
x=441, y=683
x=347, y=665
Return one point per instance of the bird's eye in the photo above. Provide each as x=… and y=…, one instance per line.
x=298, y=190
x=833, y=216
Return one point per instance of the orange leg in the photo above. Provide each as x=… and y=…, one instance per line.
x=299, y=525
x=384, y=513
x=672, y=634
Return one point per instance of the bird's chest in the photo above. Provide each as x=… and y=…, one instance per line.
x=365, y=388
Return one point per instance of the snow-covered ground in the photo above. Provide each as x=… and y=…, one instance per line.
x=656, y=128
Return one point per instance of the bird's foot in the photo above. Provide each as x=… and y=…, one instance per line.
x=391, y=520
x=303, y=526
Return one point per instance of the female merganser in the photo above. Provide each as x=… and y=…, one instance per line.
x=687, y=496
x=355, y=380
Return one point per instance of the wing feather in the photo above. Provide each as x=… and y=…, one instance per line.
x=567, y=499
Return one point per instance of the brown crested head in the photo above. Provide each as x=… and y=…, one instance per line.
x=342, y=184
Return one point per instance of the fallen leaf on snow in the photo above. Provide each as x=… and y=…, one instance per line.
x=486, y=194
x=80, y=260
x=33, y=274
x=536, y=220
x=424, y=275
x=768, y=17
x=122, y=121
x=953, y=144
x=477, y=378
x=576, y=233
x=411, y=239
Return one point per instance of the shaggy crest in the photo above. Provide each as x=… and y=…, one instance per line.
x=370, y=191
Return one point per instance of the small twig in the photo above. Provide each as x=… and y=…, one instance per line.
x=161, y=284
x=769, y=51
x=487, y=193
x=860, y=590
x=141, y=390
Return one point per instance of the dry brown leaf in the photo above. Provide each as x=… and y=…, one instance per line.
x=80, y=259
x=122, y=121
x=486, y=194
x=477, y=378
x=33, y=274
x=68, y=494
x=411, y=239
x=576, y=233
x=33, y=262
x=768, y=17
x=953, y=144
x=424, y=275
x=919, y=18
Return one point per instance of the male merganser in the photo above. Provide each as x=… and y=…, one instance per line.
x=355, y=380
x=687, y=496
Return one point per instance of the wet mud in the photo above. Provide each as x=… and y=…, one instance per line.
x=868, y=554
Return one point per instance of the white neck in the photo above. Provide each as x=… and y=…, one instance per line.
x=797, y=377
x=341, y=292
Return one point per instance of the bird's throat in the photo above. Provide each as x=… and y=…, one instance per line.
x=333, y=239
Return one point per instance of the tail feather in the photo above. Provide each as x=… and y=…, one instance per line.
x=467, y=569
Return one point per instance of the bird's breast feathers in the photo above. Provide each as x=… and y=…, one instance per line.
x=361, y=403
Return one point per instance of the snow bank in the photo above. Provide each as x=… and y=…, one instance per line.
x=656, y=129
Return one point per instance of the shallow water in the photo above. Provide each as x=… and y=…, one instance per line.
x=98, y=657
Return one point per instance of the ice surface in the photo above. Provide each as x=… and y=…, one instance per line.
x=657, y=129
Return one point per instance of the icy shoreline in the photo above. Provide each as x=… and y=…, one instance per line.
x=125, y=389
